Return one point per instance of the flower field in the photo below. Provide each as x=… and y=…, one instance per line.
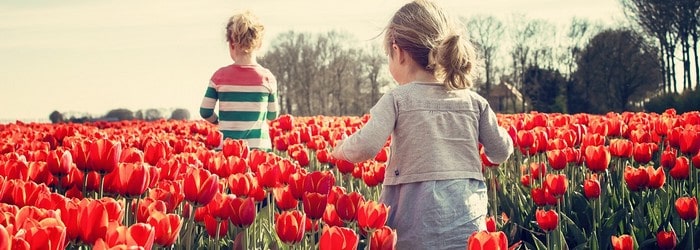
x=616, y=181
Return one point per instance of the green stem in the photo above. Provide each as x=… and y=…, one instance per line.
x=102, y=184
x=218, y=231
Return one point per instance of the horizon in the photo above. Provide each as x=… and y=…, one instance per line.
x=95, y=56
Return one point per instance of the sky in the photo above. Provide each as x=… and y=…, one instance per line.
x=92, y=56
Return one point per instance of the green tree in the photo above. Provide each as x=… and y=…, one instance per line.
x=617, y=68
x=543, y=87
x=180, y=114
x=119, y=115
x=56, y=117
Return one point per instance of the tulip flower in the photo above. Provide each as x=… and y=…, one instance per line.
x=491, y=224
x=687, y=208
x=484, y=240
x=59, y=162
x=148, y=207
x=155, y=150
x=591, y=188
x=636, y=178
x=319, y=182
x=680, y=170
x=290, y=226
x=541, y=196
x=373, y=174
x=200, y=186
x=344, y=167
x=621, y=148
x=338, y=238
x=557, y=184
x=330, y=216
x=547, y=220
x=657, y=177
x=623, y=242
x=642, y=152
x=347, y=206
x=597, y=158
x=243, y=211
x=690, y=141
x=50, y=233
x=167, y=228
x=238, y=148
x=104, y=156
x=666, y=239
x=557, y=159
x=668, y=157
x=315, y=205
x=214, y=139
x=284, y=198
x=372, y=215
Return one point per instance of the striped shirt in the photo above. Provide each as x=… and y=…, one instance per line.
x=247, y=96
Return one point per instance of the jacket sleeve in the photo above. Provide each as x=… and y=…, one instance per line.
x=498, y=145
x=366, y=142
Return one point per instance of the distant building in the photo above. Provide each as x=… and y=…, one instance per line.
x=504, y=98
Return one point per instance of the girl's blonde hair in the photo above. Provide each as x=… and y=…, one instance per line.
x=434, y=41
x=245, y=30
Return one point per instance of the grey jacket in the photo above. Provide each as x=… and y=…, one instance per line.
x=434, y=134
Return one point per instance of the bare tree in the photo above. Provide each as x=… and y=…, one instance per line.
x=487, y=33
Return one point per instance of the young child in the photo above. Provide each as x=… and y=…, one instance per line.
x=246, y=91
x=433, y=184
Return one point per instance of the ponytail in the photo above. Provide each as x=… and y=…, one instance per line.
x=452, y=60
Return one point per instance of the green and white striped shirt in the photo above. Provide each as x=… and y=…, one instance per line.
x=247, y=96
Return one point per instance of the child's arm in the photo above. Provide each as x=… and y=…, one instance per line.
x=366, y=142
x=497, y=143
x=272, y=106
x=206, y=110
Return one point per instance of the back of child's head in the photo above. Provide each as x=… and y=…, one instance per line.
x=434, y=41
x=245, y=30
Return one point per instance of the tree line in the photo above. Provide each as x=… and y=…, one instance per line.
x=121, y=114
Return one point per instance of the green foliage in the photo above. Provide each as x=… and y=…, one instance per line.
x=688, y=101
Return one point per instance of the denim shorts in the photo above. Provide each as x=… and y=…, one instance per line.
x=436, y=214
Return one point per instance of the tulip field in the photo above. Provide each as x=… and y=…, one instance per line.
x=582, y=181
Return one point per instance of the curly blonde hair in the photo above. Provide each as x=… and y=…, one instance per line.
x=434, y=41
x=245, y=30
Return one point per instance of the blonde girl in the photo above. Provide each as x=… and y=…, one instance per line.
x=245, y=90
x=433, y=183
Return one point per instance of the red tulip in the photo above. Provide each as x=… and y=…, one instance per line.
x=243, y=211
x=557, y=159
x=666, y=239
x=680, y=170
x=372, y=215
x=525, y=180
x=330, y=216
x=319, y=182
x=155, y=150
x=344, y=167
x=200, y=186
x=167, y=228
x=668, y=157
x=290, y=226
x=129, y=179
x=597, y=158
x=323, y=156
x=373, y=174
x=169, y=192
x=269, y=175
x=484, y=240
x=49, y=233
x=285, y=122
x=315, y=205
x=491, y=224
x=636, y=178
x=542, y=196
x=131, y=155
x=241, y=184
x=284, y=198
x=547, y=220
x=657, y=178
x=383, y=155
x=5, y=238
x=591, y=188
x=384, y=238
x=347, y=206
x=557, y=184
x=621, y=148
x=214, y=139
x=211, y=224
x=624, y=242
x=238, y=148
x=687, y=208
x=299, y=154
x=338, y=238
x=59, y=162
x=642, y=152
x=93, y=221
x=690, y=141
x=104, y=156
x=148, y=207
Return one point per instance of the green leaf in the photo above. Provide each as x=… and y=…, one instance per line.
x=538, y=243
x=574, y=231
